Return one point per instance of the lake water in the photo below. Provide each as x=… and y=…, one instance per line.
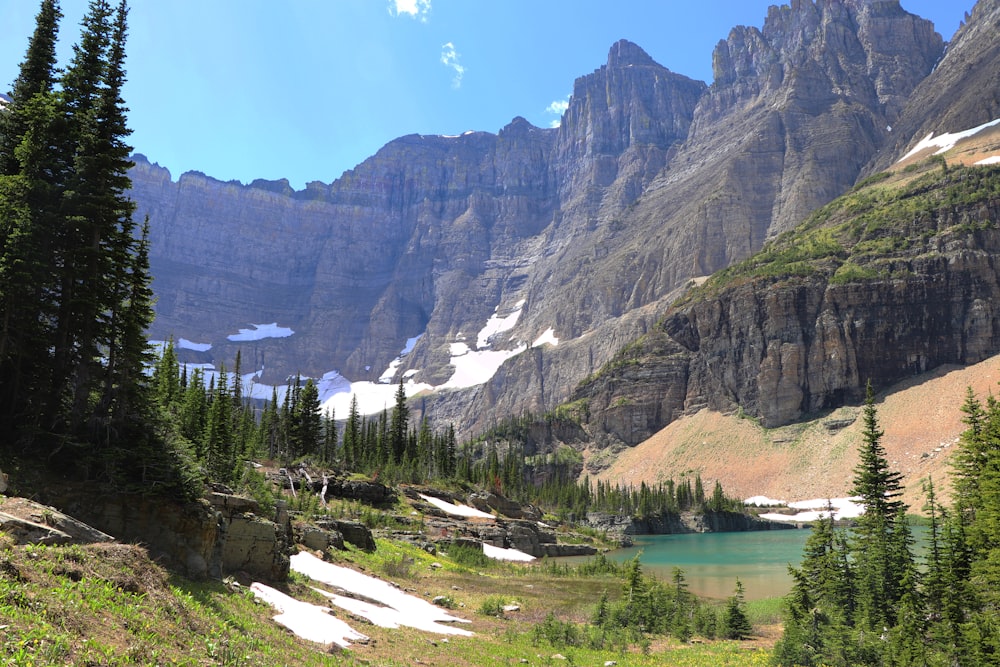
x=712, y=561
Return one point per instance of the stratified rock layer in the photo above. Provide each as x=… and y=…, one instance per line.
x=651, y=179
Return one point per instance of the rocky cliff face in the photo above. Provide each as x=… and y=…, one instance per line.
x=782, y=344
x=651, y=179
x=962, y=92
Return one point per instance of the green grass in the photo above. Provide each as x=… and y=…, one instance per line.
x=111, y=605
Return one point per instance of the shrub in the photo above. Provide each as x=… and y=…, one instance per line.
x=492, y=606
x=468, y=556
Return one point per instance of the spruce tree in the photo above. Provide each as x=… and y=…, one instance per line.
x=399, y=426
x=308, y=421
x=735, y=623
x=879, y=545
x=352, y=436
x=36, y=76
x=31, y=175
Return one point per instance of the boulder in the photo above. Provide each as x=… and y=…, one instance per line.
x=355, y=533
x=319, y=539
x=256, y=546
x=29, y=522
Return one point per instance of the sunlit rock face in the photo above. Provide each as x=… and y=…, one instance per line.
x=651, y=179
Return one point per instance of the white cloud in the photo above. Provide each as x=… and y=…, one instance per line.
x=557, y=107
x=417, y=9
x=449, y=58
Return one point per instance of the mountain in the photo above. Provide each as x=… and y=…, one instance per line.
x=550, y=250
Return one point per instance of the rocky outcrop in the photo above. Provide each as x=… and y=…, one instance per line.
x=28, y=522
x=248, y=542
x=963, y=91
x=779, y=347
x=485, y=501
x=204, y=538
x=686, y=522
x=530, y=537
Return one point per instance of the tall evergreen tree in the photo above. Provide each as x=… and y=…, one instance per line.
x=352, y=435
x=30, y=177
x=308, y=421
x=879, y=544
x=72, y=346
x=400, y=425
x=36, y=76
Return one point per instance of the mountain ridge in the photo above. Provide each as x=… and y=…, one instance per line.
x=597, y=225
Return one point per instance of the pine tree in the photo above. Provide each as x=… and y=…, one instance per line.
x=352, y=436
x=307, y=420
x=72, y=346
x=30, y=177
x=399, y=426
x=970, y=457
x=879, y=549
x=91, y=204
x=329, y=450
x=735, y=623
x=36, y=76
x=166, y=376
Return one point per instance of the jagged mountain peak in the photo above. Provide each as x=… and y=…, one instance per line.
x=861, y=47
x=963, y=91
x=625, y=53
x=518, y=126
x=651, y=179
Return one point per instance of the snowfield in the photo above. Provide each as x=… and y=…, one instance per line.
x=472, y=366
x=309, y=621
x=499, y=553
x=260, y=332
x=456, y=510
x=812, y=510
x=945, y=142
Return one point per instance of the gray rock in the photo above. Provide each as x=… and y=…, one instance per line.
x=30, y=522
x=357, y=534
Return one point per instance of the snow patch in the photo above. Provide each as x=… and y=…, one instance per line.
x=309, y=621
x=394, y=365
x=185, y=344
x=373, y=397
x=818, y=508
x=399, y=608
x=499, y=553
x=497, y=324
x=946, y=141
x=993, y=159
x=456, y=510
x=549, y=337
x=261, y=331
x=477, y=367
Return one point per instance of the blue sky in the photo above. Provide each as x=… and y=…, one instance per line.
x=306, y=89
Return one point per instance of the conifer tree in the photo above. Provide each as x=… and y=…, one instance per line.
x=329, y=450
x=879, y=542
x=352, y=435
x=72, y=347
x=30, y=177
x=36, y=76
x=735, y=623
x=399, y=426
x=307, y=421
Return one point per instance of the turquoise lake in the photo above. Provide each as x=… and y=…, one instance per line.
x=712, y=561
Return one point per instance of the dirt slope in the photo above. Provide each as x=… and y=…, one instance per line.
x=921, y=420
